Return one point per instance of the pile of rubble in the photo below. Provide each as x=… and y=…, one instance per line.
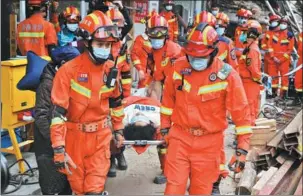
x=274, y=163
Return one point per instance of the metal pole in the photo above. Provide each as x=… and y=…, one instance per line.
x=293, y=15
x=269, y=7
x=83, y=8
x=22, y=7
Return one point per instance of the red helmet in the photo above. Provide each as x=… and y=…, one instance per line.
x=157, y=26
x=38, y=3
x=201, y=41
x=244, y=13
x=150, y=14
x=116, y=17
x=205, y=17
x=222, y=19
x=98, y=26
x=284, y=19
x=168, y=2
x=71, y=14
x=253, y=25
x=274, y=17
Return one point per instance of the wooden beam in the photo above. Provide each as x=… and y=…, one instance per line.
x=273, y=183
x=263, y=180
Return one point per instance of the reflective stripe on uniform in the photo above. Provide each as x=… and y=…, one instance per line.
x=223, y=56
x=117, y=112
x=136, y=62
x=186, y=85
x=243, y=57
x=274, y=85
x=31, y=34
x=243, y=130
x=121, y=59
x=177, y=76
x=285, y=88
x=299, y=89
x=166, y=111
x=284, y=41
x=267, y=36
x=126, y=81
x=300, y=148
x=171, y=20
x=163, y=150
x=263, y=45
x=80, y=89
x=212, y=88
x=286, y=55
x=300, y=38
x=270, y=49
x=105, y=89
x=275, y=38
x=57, y=121
x=176, y=33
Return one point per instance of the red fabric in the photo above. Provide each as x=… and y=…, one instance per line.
x=298, y=80
x=172, y=21
x=227, y=53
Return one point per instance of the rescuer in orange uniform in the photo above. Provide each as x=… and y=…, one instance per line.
x=243, y=16
x=226, y=45
x=35, y=33
x=267, y=39
x=172, y=20
x=250, y=68
x=164, y=51
x=282, y=43
x=201, y=82
x=125, y=76
x=298, y=76
x=82, y=101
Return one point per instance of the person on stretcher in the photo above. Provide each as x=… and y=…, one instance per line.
x=142, y=120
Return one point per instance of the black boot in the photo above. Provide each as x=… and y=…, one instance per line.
x=296, y=101
x=122, y=165
x=102, y=193
x=216, y=188
x=160, y=179
x=112, y=170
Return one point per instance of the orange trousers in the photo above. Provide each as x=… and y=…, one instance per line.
x=194, y=157
x=252, y=90
x=274, y=69
x=91, y=154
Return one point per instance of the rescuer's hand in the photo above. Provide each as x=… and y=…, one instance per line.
x=63, y=161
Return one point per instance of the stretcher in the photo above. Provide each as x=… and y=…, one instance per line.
x=143, y=142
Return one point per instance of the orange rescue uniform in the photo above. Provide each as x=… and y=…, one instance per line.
x=163, y=59
x=239, y=45
x=265, y=44
x=141, y=56
x=35, y=34
x=227, y=51
x=123, y=67
x=298, y=79
x=282, y=44
x=195, y=112
x=79, y=87
x=172, y=21
x=250, y=72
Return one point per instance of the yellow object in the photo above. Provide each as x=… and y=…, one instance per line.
x=14, y=101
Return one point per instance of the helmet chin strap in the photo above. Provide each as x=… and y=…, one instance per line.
x=97, y=61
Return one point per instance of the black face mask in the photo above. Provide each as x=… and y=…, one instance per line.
x=133, y=132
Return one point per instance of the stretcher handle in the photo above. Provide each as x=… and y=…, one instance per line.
x=143, y=142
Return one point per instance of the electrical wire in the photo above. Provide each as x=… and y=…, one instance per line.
x=17, y=180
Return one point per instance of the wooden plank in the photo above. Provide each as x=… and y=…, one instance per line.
x=271, y=185
x=261, y=119
x=263, y=180
x=247, y=180
x=294, y=125
x=258, y=142
x=294, y=180
x=299, y=188
x=262, y=136
x=271, y=122
x=258, y=131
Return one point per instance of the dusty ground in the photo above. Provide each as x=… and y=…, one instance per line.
x=138, y=179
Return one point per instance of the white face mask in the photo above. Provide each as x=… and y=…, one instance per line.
x=283, y=26
x=220, y=30
x=169, y=7
x=72, y=27
x=157, y=43
x=215, y=12
x=102, y=53
x=198, y=64
x=274, y=24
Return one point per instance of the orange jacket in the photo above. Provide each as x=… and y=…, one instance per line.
x=227, y=51
x=124, y=69
x=163, y=59
x=79, y=88
x=300, y=48
x=172, y=21
x=35, y=34
x=267, y=46
x=250, y=64
x=282, y=43
x=55, y=21
x=238, y=44
x=202, y=103
x=141, y=56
